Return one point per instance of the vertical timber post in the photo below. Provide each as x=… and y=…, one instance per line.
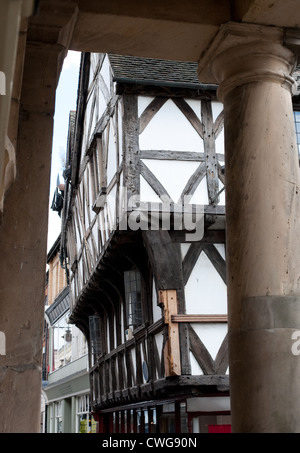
x=172, y=348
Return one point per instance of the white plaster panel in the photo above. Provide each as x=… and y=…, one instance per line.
x=105, y=72
x=111, y=208
x=157, y=313
x=211, y=335
x=94, y=232
x=112, y=153
x=221, y=250
x=86, y=122
x=101, y=103
x=195, y=368
x=147, y=193
x=205, y=291
x=217, y=108
x=219, y=145
x=222, y=194
x=200, y=195
x=169, y=129
x=159, y=343
x=143, y=102
x=184, y=249
x=173, y=175
x=195, y=106
x=133, y=356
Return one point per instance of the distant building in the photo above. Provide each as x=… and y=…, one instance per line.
x=65, y=398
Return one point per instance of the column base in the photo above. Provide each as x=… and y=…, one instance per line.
x=265, y=366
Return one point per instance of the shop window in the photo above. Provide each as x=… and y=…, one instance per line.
x=133, y=298
x=51, y=417
x=58, y=417
x=85, y=420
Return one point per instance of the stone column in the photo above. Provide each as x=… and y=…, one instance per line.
x=23, y=241
x=23, y=225
x=253, y=69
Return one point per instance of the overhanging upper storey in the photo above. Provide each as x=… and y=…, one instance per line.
x=147, y=154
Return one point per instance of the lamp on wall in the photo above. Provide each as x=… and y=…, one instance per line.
x=68, y=335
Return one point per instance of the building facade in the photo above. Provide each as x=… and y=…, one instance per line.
x=65, y=385
x=144, y=235
x=144, y=238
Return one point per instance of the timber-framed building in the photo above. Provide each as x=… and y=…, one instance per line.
x=144, y=236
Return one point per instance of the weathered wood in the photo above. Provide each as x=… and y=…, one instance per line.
x=209, y=147
x=190, y=115
x=172, y=155
x=218, y=124
x=200, y=352
x=221, y=173
x=88, y=132
x=194, y=181
x=210, y=237
x=168, y=90
x=190, y=259
x=98, y=132
x=104, y=89
x=216, y=259
x=221, y=361
x=203, y=380
x=131, y=144
x=82, y=98
x=150, y=111
x=165, y=258
x=154, y=182
x=138, y=363
x=154, y=360
x=200, y=318
x=172, y=348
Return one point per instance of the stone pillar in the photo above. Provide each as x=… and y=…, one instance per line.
x=23, y=241
x=23, y=227
x=253, y=69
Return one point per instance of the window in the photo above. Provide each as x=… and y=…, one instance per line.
x=85, y=421
x=95, y=337
x=133, y=298
x=58, y=417
x=51, y=416
x=61, y=344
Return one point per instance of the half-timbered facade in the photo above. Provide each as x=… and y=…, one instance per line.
x=144, y=236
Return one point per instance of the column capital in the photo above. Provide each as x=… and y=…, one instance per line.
x=246, y=53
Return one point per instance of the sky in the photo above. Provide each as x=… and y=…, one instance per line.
x=66, y=96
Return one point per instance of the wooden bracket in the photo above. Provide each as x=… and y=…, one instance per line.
x=168, y=298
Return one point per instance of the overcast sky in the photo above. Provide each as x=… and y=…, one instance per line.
x=66, y=95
